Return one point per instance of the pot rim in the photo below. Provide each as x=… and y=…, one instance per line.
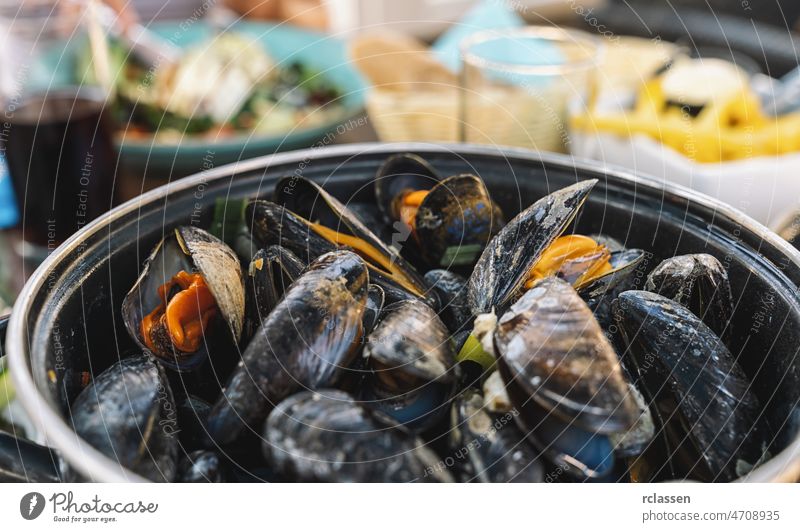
x=785, y=466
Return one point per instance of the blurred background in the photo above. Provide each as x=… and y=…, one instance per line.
x=106, y=100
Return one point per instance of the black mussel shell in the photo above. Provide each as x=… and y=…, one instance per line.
x=275, y=224
x=128, y=414
x=552, y=351
x=634, y=441
x=412, y=364
x=700, y=283
x=699, y=396
x=628, y=269
x=24, y=461
x=455, y=221
x=451, y=289
x=272, y=224
x=192, y=419
x=398, y=174
x=371, y=217
x=203, y=466
x=329, y=437
x=504, y=265
x=310, y=201
x=623, y=263
x=307, y=341
x=490, y=446
x=270, y=273
x=376, y=299
x=193, y=250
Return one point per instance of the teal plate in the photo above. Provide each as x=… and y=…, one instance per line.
x=286, y=44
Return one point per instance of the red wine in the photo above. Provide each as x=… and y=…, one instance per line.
x=60, y=154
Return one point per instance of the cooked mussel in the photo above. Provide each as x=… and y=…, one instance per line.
x=551, y=347
x=706, y=415
x=270, y=272
x=203, y=466
x=397, y=175
x=506, y=263
x=128, y=414
x=190, y=294
x=328, y=436
x=308, y=221
x=307, y=341
x=562, y=373
x=488, y=444
x=451, y=291
x=410, y=358
x=449, y=220
x=700, y=283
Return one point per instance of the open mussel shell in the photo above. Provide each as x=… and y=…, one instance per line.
x=491, y=446
x=623, y=263
x=273, y=224
x=128, y=414
x=700, y=283
x=307, y=341
x=270, y=272
x=503, y=266
x=329, y=437
x=552, y=351
x=402, y=173
x=299, y=204
x=455, y=221
x=705, y=412
x=411, y=359
x=192, y=250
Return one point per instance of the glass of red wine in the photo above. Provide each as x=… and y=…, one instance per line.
x=56, y=135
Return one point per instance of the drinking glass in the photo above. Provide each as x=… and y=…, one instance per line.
x=517, y=85
x=56, y=135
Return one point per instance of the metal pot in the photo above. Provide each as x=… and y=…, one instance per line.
x=68, y=315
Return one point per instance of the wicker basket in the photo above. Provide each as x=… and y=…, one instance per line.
x=434, y=115
x=403, y=116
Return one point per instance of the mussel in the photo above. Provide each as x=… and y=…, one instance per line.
x=411, y=361
x=563, y=375
x=327, y=436
x=128, y=413
x=190, y=294
x=308, y=221
x=451, y=290
x=706, y=414
x=192, y=420
x=271, y=271
x=698, y=282
x=489, y=445
x=506, y=263
x=307, y=341
x=203, y=466
x=449, y=220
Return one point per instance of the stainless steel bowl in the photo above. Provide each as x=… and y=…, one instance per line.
x=68, y=312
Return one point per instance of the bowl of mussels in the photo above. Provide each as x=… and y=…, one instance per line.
x=413, y=313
